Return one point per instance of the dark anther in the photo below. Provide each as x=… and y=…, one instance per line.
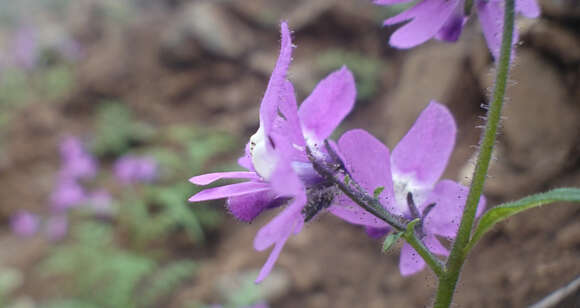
x=412, y=207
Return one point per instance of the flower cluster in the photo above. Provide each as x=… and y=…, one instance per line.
x=131, y=169
x=28, y=44
x=280, y=173
x=444, y=20
x=78, y=166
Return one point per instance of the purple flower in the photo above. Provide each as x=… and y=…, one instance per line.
x=444, y=20
x=279, y=172
x=70, y=49
x=56, y=227
x=24, y=223
x=131, y=169
x=77, y=162
x=411, y=173
x=100, y=202
x=67, y=194
x=25, y=48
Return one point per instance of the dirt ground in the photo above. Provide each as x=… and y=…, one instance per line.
x=167, y=68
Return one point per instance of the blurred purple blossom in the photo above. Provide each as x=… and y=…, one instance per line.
x=101, y=202
x=279, y=171
x=67, y=194
x=131, y=169
x=25, y=48
x=409, y=178
x=257, y=305
x=70, y=49
x=28, y=43
x=77, y=162
x=56, y=227
x=24, y=223
x=444, y=20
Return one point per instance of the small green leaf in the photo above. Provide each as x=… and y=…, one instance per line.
x=347, y=180
x=391, y=239
x=378, y=191
x=506, y=210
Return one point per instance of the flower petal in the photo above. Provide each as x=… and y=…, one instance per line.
x=528, y=8
x=347, y=210
x=428, y=16
x=277, y=231
x=247, y=207
x=286, y=133
x=246, y=160
x=274, y=254
x=377, y=233
x=452, y=28
x=435, y=245
x=389, y=2
x=423, y=153
x=330, y=101
x=449, y=198
x=276, y=85
x=410, y=262
x=491, y=19
x=232, y=190
x=367, y=160
x=208, y=178
x=281, y=226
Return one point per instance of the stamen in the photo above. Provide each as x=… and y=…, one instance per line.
x=427, y=210
x=412, y=207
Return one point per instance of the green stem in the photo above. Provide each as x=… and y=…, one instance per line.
x=411, y=236
x=467, y=7
x=448, y=281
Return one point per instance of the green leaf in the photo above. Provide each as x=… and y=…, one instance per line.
x=378, y=191
x=347, y=180
x=506, y=210
x=391, y=239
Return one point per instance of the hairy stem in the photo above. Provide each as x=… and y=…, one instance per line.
x=374, y=206
x=411, y=236
x=448, y=281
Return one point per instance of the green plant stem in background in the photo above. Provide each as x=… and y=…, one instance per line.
x=448, y=281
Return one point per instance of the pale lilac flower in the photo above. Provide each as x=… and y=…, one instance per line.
x=25, y=49
x=258, y=305
x=56, y=227
x=67, y=194
x=415, y=166
x=279, y=171
x=24, y=223
x=100, y=202
x=444, y=20
x=77, y=162
x=70, y=49
x=131, y=169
